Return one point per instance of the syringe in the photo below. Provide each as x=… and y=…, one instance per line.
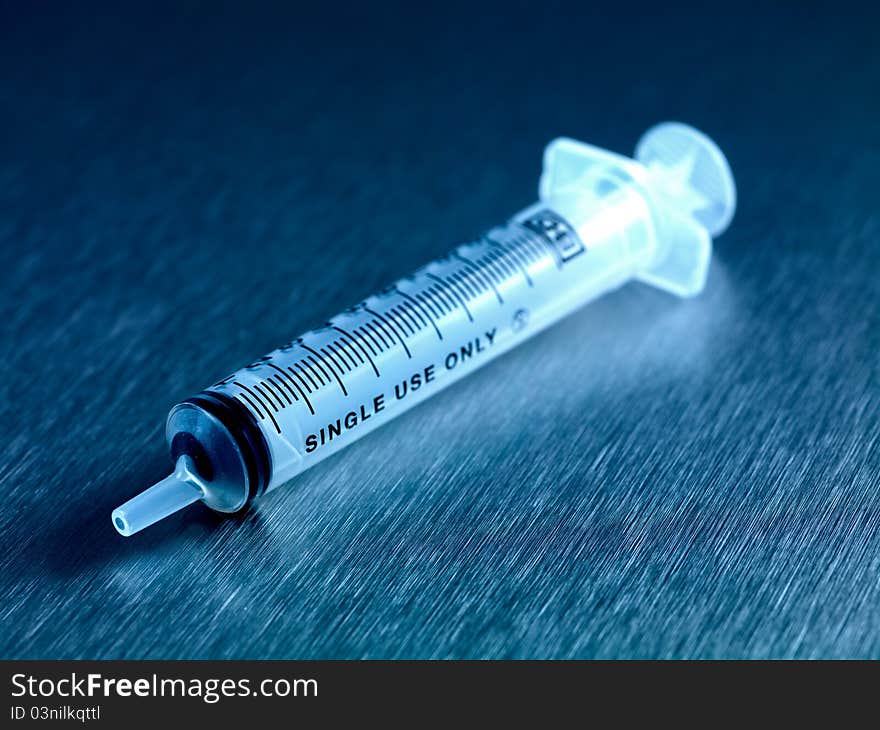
x=602, y=219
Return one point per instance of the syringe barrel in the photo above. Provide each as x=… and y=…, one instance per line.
x=327, y=388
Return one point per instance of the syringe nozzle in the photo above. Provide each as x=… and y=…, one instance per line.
x=173, y=493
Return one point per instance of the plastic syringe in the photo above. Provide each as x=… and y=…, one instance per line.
x=602, y=219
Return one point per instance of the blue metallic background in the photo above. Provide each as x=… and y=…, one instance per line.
x=184, y=189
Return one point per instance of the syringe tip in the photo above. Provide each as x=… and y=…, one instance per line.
x=173, y=493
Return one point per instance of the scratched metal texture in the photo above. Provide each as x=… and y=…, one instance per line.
x=182, y=190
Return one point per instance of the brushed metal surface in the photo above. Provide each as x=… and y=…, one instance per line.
x=650, y=478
